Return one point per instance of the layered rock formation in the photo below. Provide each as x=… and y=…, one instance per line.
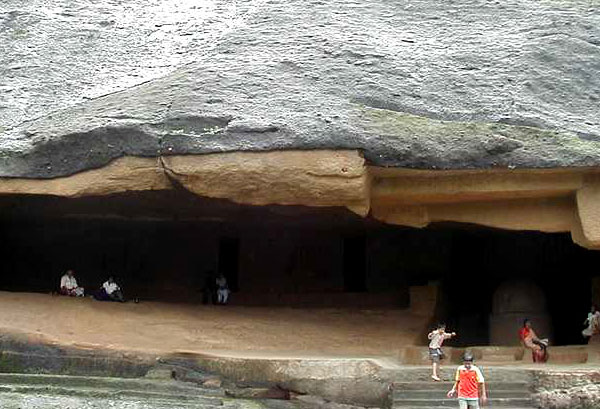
x=472, y=84
x=468, y=84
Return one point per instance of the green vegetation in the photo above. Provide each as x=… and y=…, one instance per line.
x=404, y=125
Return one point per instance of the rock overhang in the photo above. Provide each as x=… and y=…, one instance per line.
x=473, y=85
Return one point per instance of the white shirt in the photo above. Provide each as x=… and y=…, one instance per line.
x=68, y=282
x=110, y=287
x=221, y=283
x=437, y=339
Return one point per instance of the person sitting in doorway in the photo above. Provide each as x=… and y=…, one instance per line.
x=593, y=323
x=68, y=285
x=530, y=340
x=110, y=291
x=222, y=290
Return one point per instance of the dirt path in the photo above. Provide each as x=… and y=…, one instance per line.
x=163, y=327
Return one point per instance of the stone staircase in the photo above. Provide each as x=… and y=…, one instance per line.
x=52, y=389
x=432, y=395
x=507, y=389
x=499, y=355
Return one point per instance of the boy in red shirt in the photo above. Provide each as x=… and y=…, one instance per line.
x=469, y=381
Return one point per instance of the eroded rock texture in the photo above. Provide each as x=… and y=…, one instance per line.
x=422, y=84
x=567, y=390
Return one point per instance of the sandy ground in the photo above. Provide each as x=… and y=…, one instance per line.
x=163, y=327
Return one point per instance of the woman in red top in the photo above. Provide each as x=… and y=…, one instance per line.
x=530, y=340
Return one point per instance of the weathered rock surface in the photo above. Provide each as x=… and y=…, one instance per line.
x=589, y=213
x=462, y=84
x=311, y=178
x=567, y=389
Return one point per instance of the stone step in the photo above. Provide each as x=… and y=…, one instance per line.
x=498, y=358
x=138, y=384
x=431, y=385
x=492, y=374
x=170, y=404
x=95, y=393
x=455, y=406
x=447, y=402
x=107, y=403
x=441, y=394
x=39, y=401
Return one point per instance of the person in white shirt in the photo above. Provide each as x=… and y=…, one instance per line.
x=222, y=289
x=593, y=323
x=110, y=291
x=68, y=285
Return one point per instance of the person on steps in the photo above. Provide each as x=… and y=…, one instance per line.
x=437, y=338
x=68, y=285
x=469, y=385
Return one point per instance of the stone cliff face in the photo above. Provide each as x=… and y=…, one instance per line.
x=428, y=85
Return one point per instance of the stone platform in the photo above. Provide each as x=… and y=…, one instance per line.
x=203, y=380
x=505, y=356
x=325, y=381
x=163, y=328
x=360, y=363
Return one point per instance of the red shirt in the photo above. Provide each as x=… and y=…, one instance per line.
x=468, y=381
x=524, y=333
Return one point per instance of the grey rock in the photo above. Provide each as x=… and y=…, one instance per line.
x=420, y=84
x=160, y=374
x=316, y=401
x=334, y=405
x=214, y=382
x=580, y=397
x=364, y=392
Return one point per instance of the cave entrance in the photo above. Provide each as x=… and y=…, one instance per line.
x=163, y=245
x=544, y=277
x=167, y=245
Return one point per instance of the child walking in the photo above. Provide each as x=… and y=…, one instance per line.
x=437, y=338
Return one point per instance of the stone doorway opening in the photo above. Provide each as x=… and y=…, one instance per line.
x=501, y=277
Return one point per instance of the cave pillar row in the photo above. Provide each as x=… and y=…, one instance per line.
x=587, y=231
x=588, y=211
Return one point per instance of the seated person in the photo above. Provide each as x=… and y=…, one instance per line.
x=68, y=285
x=222, y=289
x=593, y=323
x=530, y=340
x=110, y=291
